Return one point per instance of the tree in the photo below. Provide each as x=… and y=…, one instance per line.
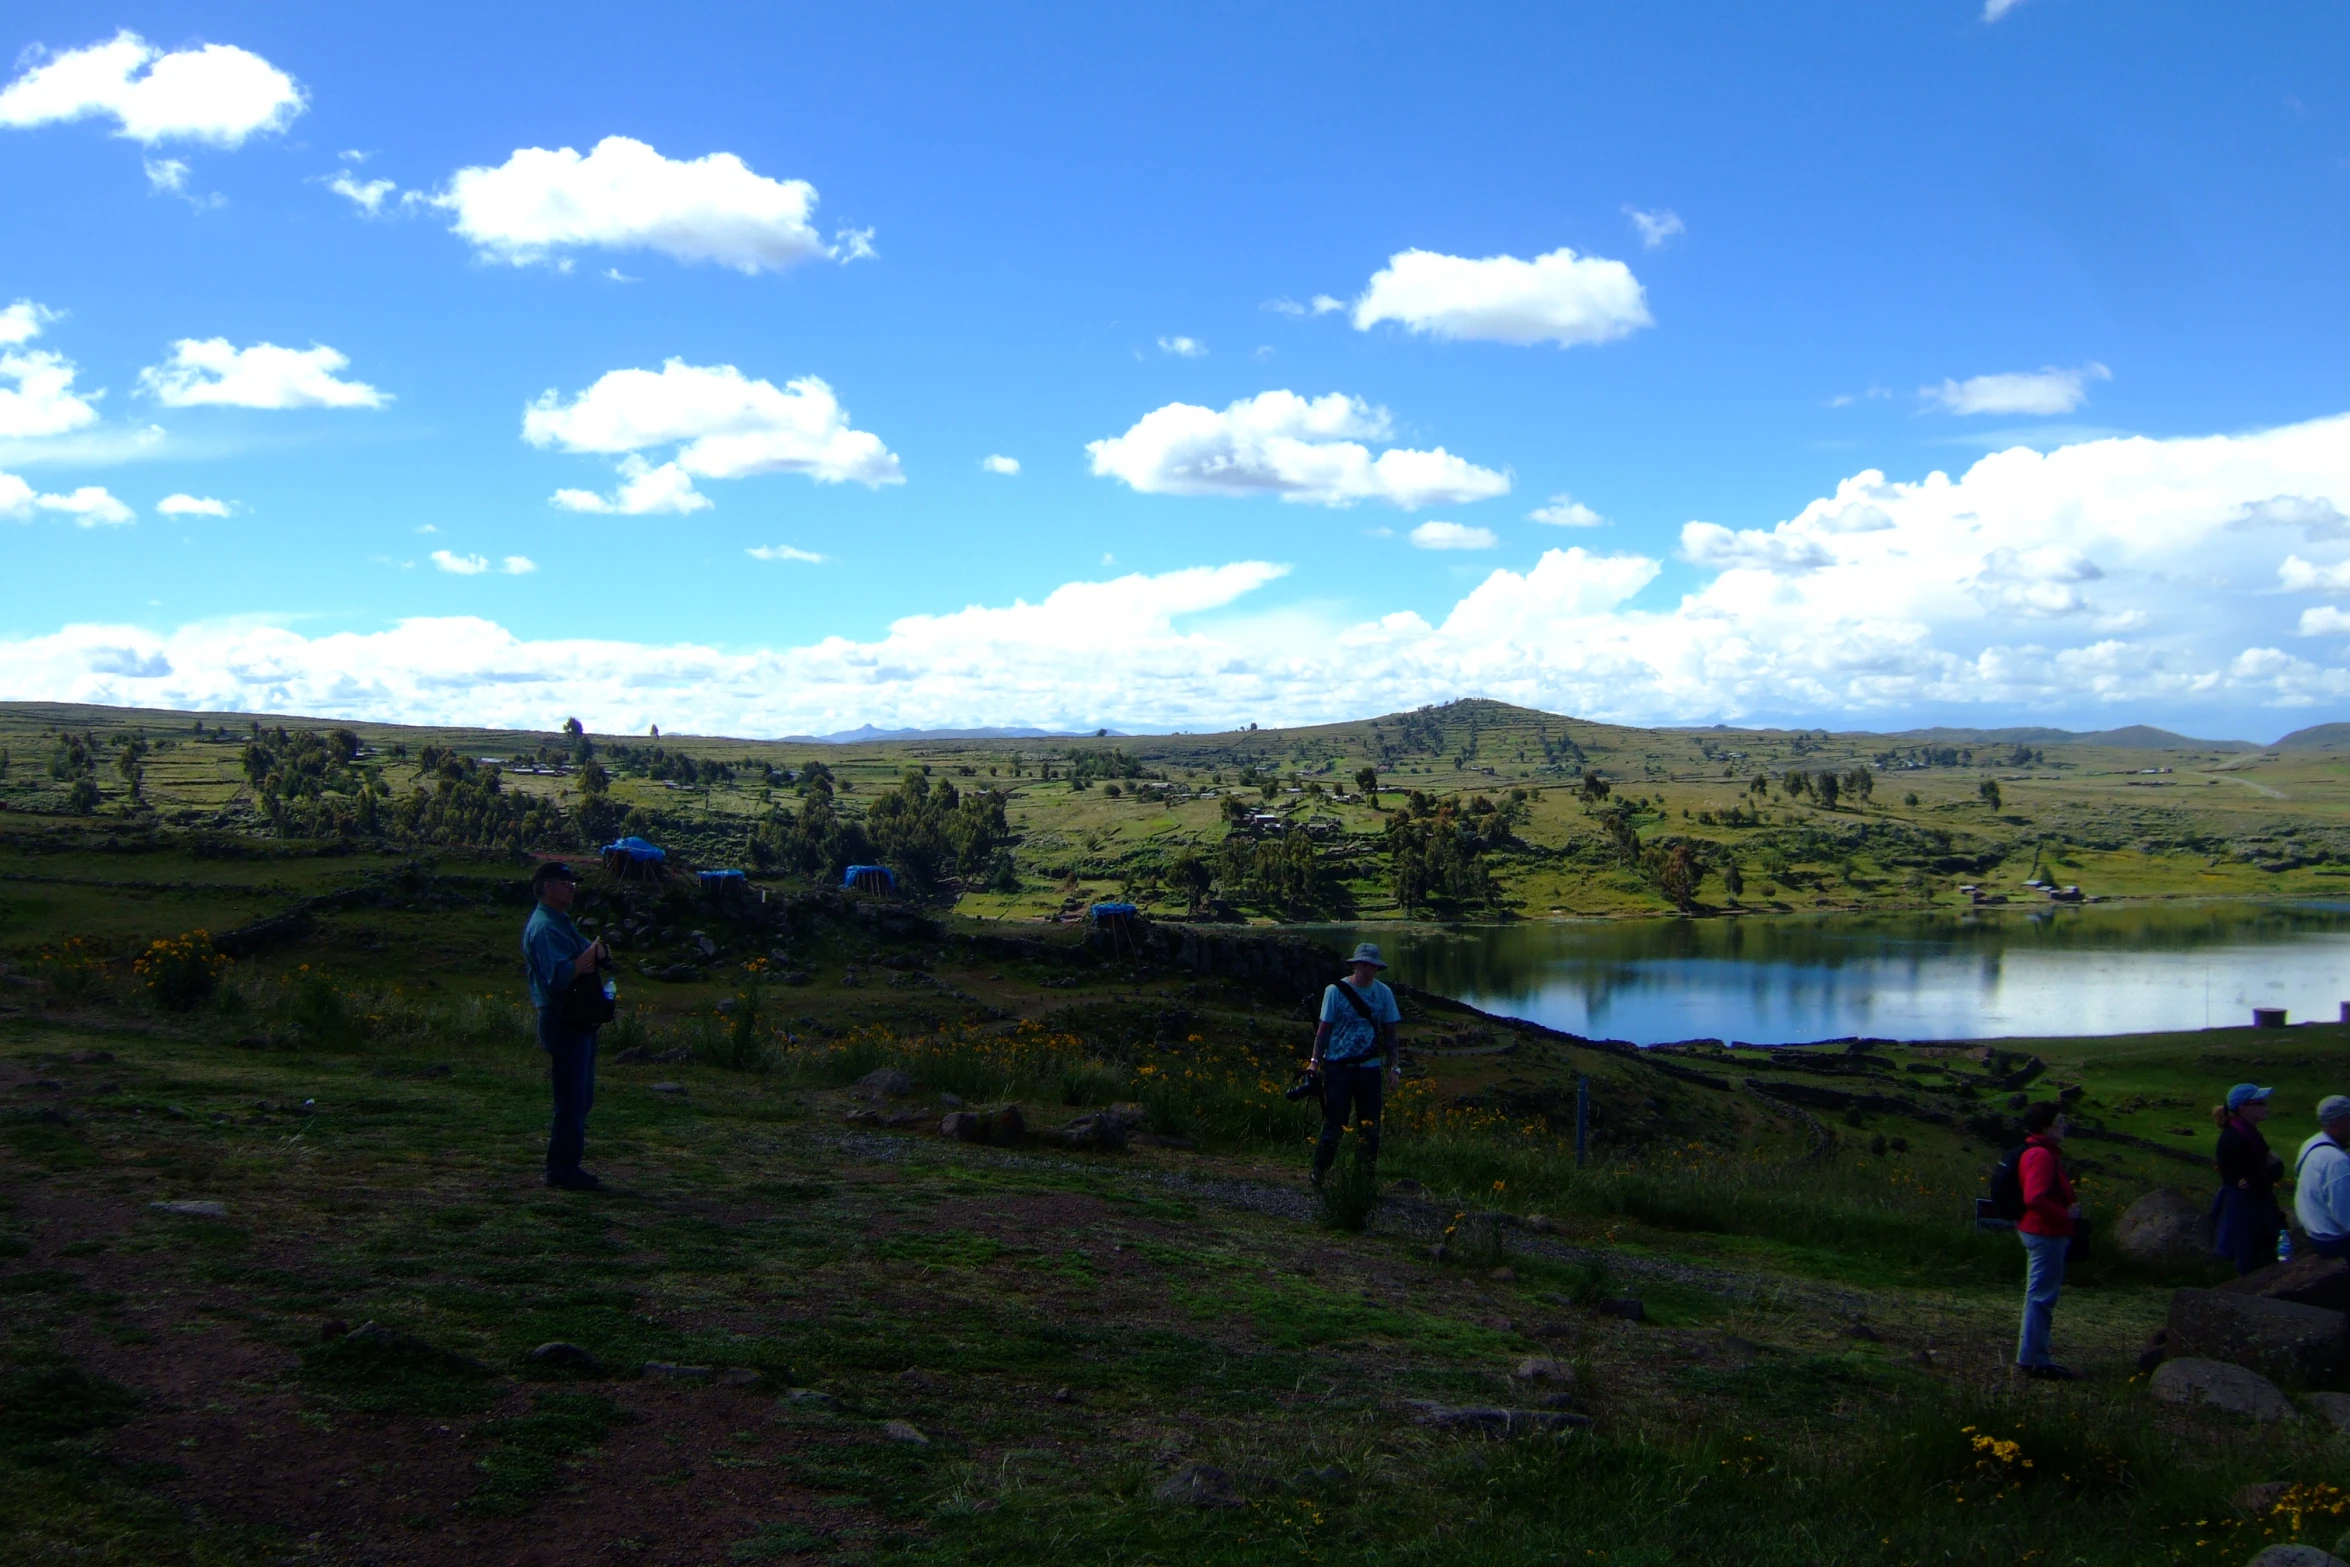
x=82, y=798
x=1595, y=787
x=1367, y=781
x=1679, y=876
x=1988, y=789
x=1733, y=884
x=1827, y=788
x=1189, y=875
x=1860, y=783
x=574, y=728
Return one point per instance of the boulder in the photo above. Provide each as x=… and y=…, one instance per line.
x=192, y=1210
x=2333, y=1408
x=885, y=1082
x=2306, y=1281
x=1541, y=1368
x=1103, y=1133
x=1494, y=1421
x=1199, y=1485
x=559, y=1356
x=1627, y=1307
x=903, y=1431
x=2275, y=1337
x=664, y=1371
x=2165, y=1229
x=1001, y=1127
x=964, y=1126
x=2297, y=1556
x=2215, y=1383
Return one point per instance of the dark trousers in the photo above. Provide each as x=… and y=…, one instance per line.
x=571, y=1071
x=1350, y=1087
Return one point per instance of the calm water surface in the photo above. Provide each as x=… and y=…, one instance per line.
x=1980, y=975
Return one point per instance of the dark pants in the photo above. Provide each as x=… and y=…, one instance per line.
x=2244, y=1228
x=571, y=1070
x=1348, y=1088
x=2339, y=1246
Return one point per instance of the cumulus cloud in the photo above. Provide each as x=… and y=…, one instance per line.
x=1564, y=511
x=166, y=175
x=997, y=463
x=1557, y=298
x=2296, y=575
x=625, y=196
x=785, y=552
x=90, y=506
x=2316, y=517
x=2048, y=391
x=41, y=401
x=2085, y=585
x=367, y=195
x=216, y=93
x=1183, y=347
x=460, y=565
x=210, y=372
x=1278, y=443
x=1656, y=227
x=723, y=425
x=1452, y=536
x=191, y=506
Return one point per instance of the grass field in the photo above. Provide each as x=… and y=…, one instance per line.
x=920, y=1349
x=2116, y=821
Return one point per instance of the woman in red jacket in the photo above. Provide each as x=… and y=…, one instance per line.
x=2046, y=1229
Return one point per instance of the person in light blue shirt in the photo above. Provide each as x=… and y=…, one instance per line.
x=2321, y=1180
x=558, y=957
x=1355, y=1052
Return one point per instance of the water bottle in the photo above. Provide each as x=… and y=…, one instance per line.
x=2284, y=1245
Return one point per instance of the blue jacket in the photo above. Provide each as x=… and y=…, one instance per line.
x=551, y=944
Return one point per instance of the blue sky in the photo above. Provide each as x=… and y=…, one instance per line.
x=1803, y=245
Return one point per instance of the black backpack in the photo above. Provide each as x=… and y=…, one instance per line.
x=2007, y=1185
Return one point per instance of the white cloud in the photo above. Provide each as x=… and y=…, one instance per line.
x=1452, y=536
x=784, y=552
x=518, y=565
x=2048, y=391
x=2316, y=517
x=1278, y=443
x=1284, y=306
x=2295, y=575
x=460, y=565
x=1183, y=347
x=43, y=401
x=1656, y=227
x=216, y=93
x=2092, y=584
x=724, y=425
x=210, y=372
x=167, y=175
x=89, y=507
x=625, y=196
x=853, y=245
x=1993, y=10
x=191, y=506
x=1007, y=466
x=1874, y=394
x=644, y=491
x=2324, y=620
x=1557, y=298
x=23, y=321
x=367, y=195
x=1325, y=304
x=1564, y=511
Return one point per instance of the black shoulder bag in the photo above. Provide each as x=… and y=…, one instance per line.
x=581, y=1005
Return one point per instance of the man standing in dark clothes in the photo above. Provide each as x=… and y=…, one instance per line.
x=1355, y=1039
x=559, y=957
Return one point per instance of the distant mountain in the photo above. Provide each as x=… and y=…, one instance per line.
x=2144, y=737
x=2132, y=737
x=2317, y=737
x=866, y=734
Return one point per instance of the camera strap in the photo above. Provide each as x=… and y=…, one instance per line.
x=1354, y=998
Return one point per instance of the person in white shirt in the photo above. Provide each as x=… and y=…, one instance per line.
x=2321, y=1180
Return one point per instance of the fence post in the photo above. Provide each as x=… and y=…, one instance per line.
x=1582, y=1119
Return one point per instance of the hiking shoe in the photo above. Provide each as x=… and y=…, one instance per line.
x=575, y=1181
x=2052, y=1373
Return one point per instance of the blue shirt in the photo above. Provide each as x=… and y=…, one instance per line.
x=1354, y=1037
x=550, y=946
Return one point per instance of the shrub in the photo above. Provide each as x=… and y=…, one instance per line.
x=179, y=972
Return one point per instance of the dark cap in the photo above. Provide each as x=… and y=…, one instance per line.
x=551, y=870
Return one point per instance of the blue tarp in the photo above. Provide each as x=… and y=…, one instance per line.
x=1111, y=911
x=637, y=849
x=719, y=879
x=855, y=876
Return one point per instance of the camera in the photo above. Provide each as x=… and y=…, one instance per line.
x=1307, y=1086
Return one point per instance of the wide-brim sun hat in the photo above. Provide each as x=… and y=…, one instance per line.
x=2244, y=1093
x=1368, y=952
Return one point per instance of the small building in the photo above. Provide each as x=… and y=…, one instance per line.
x=869, y=878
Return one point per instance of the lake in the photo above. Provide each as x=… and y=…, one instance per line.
x=1979, y=974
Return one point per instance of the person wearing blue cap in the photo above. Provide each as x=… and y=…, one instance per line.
x=1354, y=1038
x=2245, y=1220
x=2321, y=1180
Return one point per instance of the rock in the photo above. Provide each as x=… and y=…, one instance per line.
x=2333, y=1408
x=708, y=947
x=193, y=1210
x=726, y=1006
x=885, y=1082
x=2257, y=1498
x=2297, y=1556
x=1553, y=1328
x=1494, y=1421
x=778, y=955
x=1007, y=1126
x=738, y=1376
x=901, y=1431
x=964, y=1126
x=331, y=1329
x=2165, y=1229
x=2308, y=1280
x=1001, y=1127
x=1101, y=1133
x=1062, y=1395
x=1631, y=1310
x=663, y=1371
x=669, y=1088
x=1503, y=1275
x=1541, y=1223
x=1407, y=1187
x=2275, y=1337
x=2157, y=1347
x=1199, y=1485
x=811, y=1398
x=1541, y=1368
x=2195, y=1381
x=1160, y=1140
x=1863, y=1332
x=1126, y=1113
x=559, y=1356
x=914, y=1379
x=951, y=1101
